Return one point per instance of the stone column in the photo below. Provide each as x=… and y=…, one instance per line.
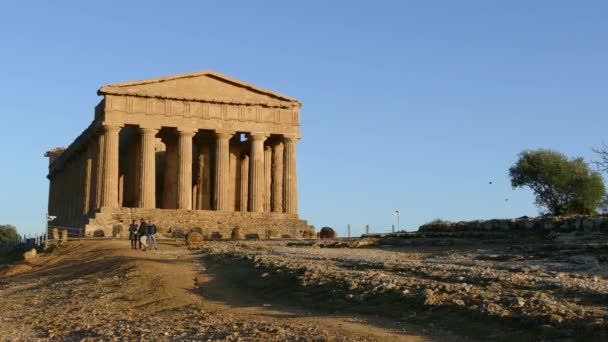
x=147, y=174
x=70, y=190
x=244, y=182
x=222, y=170
x=88, y=171
x=75, y=185
x=290, y=194
x=109, y=196
x=256, y=173
x=68, y=187
x=169, y=198
x=184, y=169
x=93, y=203
x=52, y=191
x=204, y=175
x=60, y=192
x=61, y=198
x=100, y=169
x=76, y=181
x=277, y=178
x=267, y=177
x=233, y=160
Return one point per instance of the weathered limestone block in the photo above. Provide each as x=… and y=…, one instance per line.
x=272, y=234
x=541, y=225
x=119, y=231
x=212, y=223
x=30, y=255
x=308, y=234
x=194, y=239
x=236, y=234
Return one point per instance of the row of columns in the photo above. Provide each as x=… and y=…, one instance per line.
x=266, y=174
x=255, y=171
x=72, y=191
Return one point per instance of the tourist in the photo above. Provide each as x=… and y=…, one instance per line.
x=133, y=234
x=152, y=235
x=143, y=235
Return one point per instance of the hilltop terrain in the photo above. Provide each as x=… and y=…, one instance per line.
x=337, y=290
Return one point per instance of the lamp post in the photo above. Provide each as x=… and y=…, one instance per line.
x=397, y=213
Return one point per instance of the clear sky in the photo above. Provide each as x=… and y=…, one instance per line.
x=408, y=105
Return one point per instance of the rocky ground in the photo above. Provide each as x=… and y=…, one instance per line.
x=524, y=289
x=103, y=291
x=346, y=290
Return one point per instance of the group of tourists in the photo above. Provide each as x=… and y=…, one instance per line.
x=145, y=233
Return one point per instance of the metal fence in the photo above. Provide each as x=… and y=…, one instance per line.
x=59, y=233
x=23, y=243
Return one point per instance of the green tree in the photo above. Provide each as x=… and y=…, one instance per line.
x=8, y=233
x=561, y=185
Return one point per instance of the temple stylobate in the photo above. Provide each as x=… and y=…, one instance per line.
x=198, y=150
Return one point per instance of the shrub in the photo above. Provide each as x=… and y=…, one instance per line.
x=8, y=232
x=439, y=221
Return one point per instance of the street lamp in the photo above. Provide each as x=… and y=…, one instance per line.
x=397, y=213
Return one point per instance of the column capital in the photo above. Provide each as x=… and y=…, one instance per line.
x=149, y=130
x=110, y=128
x=291, y=138
x=223, y=134
x=258, y=136
x=186, y=132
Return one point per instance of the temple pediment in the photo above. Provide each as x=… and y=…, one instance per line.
x=208, y=86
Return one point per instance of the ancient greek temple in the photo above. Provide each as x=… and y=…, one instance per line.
x=199, y=150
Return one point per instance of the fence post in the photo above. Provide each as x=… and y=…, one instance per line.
x=46, y=230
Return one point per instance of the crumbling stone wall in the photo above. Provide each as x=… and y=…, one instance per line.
x=212, y=224
x=541, y=224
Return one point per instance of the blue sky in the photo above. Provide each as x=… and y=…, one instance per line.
x=408, y=105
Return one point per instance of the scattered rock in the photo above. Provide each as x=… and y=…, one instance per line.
x=428, y=297
x=586, y=260
x=30, y=255
x=556, y=320
x=194, y=239
x=519, y=302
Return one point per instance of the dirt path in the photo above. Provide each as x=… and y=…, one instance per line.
x=103, y=290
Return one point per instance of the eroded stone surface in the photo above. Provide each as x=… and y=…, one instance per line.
x=535, y=283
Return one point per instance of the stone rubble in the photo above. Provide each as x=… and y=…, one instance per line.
x=530, y=284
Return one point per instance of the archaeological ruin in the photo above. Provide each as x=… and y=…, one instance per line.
x=198, y=150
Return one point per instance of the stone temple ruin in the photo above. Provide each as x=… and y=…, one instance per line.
x=198, y=150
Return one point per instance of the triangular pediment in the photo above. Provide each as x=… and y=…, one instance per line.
x=200, y=86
